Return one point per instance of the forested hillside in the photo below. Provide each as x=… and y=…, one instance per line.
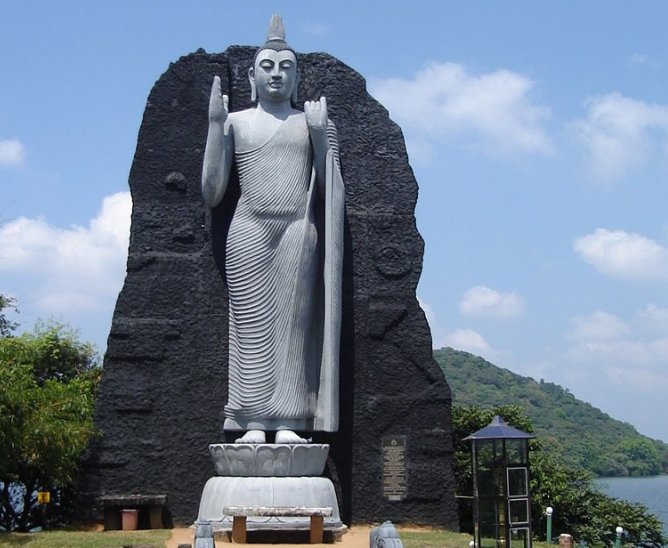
x=581, y=433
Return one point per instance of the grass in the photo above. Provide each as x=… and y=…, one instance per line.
x=427, y=538
x=86, y=539
x=442, y=539
x=434, y=539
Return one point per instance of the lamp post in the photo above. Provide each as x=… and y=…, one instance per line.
x=548, y=511
x=501, y=500
x=618, y=541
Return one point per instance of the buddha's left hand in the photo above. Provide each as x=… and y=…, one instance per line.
x=316, y=115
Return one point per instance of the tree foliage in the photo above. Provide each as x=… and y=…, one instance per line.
x=575, y=431
x=7, y=327
x=48, y=380
x=53, y=352
x=580, y=508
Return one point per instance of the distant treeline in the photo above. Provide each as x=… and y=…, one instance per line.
x=575, y=430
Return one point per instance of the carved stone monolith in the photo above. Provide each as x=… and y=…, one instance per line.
x=165, y=382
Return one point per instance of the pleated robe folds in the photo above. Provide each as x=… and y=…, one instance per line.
x=283, y=265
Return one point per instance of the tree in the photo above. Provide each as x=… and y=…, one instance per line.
x=641, y=456
x=580, y=508
x=54, y=352
x=6, y=326
x=49, y=379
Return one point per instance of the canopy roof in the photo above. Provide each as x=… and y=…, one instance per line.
x=498, y=429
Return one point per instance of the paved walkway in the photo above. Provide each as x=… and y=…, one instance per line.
x=356, y=537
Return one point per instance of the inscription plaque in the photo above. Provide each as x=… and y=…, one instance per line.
x=394, y=467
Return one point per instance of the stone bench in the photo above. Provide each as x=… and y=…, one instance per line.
x=240, y=513
x=115, y=504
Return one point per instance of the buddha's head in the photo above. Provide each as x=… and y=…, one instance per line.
x=273, y=76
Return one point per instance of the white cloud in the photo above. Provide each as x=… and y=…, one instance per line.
x=76, y=268
x=444, y=100
x=12, y=152
x=653, y=318
x=616, y=363
x=627, y=353
x=617, y=353
x=620, y=134
x=469, y=341
x=483, y=302
x=624, y=255
x=640, y=60
x=599, y=326
x=645, y=380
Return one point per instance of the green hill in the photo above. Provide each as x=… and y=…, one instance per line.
x=582, y=434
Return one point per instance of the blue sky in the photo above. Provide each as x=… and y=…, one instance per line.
x=538, y=133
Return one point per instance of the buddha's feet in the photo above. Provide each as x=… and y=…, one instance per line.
x=252, y=436
x=288, y=436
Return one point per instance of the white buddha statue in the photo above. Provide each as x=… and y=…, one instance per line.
x=283, y=252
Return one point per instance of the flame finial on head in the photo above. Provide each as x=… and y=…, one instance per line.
x=276, y=29
x=275, y=37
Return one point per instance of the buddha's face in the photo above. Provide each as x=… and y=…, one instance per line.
x=274, y=75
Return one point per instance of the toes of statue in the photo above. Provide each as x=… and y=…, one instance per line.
x=288, y=436
x=252, y=436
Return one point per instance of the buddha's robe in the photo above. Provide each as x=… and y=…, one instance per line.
x=283, y=265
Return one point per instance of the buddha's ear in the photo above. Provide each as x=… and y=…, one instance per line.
x=295, y=89
x=251, y=79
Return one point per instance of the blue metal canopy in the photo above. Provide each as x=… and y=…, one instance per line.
x=498, y=429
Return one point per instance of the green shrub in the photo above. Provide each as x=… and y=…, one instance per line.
x=48, y=381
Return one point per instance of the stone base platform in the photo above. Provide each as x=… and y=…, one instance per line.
x=222, y=491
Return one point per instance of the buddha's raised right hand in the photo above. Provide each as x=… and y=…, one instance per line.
x=218, y=109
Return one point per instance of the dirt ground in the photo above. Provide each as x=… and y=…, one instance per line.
x=355, y=537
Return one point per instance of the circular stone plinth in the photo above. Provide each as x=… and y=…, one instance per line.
x=220, y=492
x=269, y=459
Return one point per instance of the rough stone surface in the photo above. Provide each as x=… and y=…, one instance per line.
x=164, y=383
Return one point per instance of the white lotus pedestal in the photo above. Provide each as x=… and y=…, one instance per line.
x=275, y=476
